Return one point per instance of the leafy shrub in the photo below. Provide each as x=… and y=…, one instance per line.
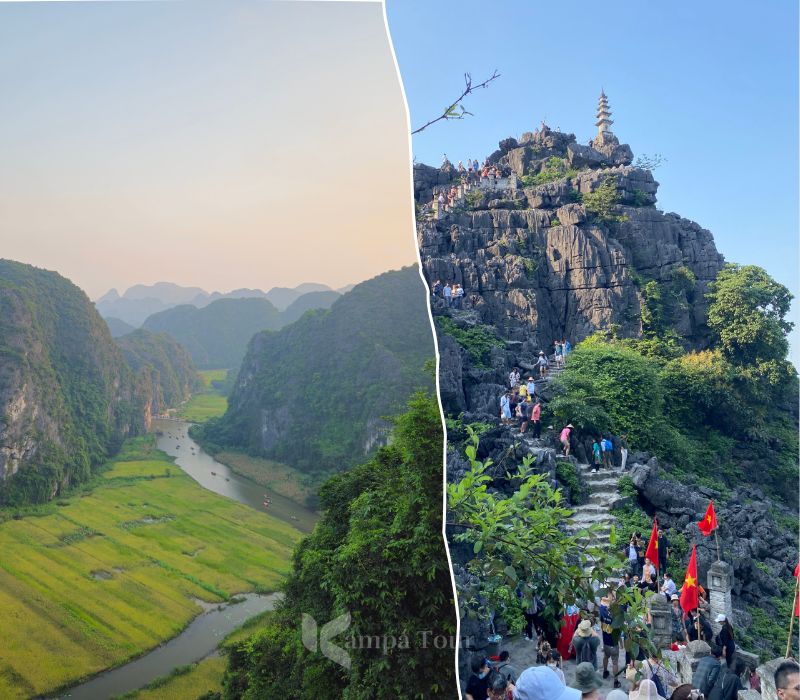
x=555, y=169
x=567, y=475
x=478, y=341
x=640, y=198
x=602, y=203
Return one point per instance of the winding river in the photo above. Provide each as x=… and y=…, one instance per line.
x=207, y=630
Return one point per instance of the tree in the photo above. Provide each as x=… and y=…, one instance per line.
x=520, y=551
x=747, y=315
x=377, y=554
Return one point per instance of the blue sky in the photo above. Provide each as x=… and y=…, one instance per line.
x=712, y=86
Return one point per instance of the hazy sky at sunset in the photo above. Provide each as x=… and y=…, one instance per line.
x=226, y=144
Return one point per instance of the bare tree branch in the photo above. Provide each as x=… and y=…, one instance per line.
x=452, y=111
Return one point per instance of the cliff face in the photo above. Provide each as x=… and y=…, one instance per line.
x=314, y=393
x=538, y=263
x=67, y=396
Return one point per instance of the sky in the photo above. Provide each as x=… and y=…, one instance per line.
x=213, y=144
x=711, y=86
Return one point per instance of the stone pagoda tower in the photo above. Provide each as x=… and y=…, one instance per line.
x=604, y=120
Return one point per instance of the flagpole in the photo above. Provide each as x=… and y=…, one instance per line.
x=791, y=621
x=716, y=537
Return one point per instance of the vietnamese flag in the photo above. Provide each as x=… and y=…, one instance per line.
x=689, y=593
x=709, y=523
x=652, y=546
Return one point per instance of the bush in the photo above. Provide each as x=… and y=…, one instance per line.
x=478, y=341
x=602, y=203
x=567, y=475
x=555, y=169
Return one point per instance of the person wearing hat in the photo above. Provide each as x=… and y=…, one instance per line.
x=540, y=683
x=531, y=386
x=679, y=632
x=541, y=363
x=725, y=638
x=564, y=438
x=585, y=643
x=587, y=681
x=617, y=695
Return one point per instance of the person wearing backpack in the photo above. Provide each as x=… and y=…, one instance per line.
x=728, y=683
x=653, y=670
x=708, y=668
x=585, y=642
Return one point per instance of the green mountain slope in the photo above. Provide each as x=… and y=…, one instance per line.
x=313, y=394
x=162, y=365
x=67, y=396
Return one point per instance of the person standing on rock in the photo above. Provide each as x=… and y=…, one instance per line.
x=679, y=632
x=541, y=363
x=531, y=386
x=597, y=459
x=436, y=288
x=448, y=294
x=505, y=408
x=565, y=438
x=525, y=408
x=460, y=297
x=607, y=449
x=536, y=417
x=623, y=450
x=557, y=353
x=567, y=348
x=513, y=378
x=633, y=555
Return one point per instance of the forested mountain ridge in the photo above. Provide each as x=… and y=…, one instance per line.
x=67, y=396
x=216, y=335
x=313, y=394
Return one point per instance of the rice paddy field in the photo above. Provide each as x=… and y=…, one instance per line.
x=103, y=576
x=207, y=403
x=186, y=683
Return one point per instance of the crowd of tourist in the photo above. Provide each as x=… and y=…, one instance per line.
x=496, y=678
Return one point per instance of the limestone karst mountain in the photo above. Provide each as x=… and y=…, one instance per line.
x=564, y=241
x=141, y=300
x=314, y=394
x=67, y=396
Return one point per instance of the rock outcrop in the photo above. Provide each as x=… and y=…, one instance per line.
x=538, y=263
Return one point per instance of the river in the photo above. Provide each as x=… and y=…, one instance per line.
x=208, y=629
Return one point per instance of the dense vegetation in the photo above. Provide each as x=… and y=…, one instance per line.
x=67, y=397
x=378, y=554
x=217, y=335
x=162, y=365
x=705, y=412
x=313, y=394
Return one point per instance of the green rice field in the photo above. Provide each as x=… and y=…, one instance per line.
x=105, y=575
x=208, y=403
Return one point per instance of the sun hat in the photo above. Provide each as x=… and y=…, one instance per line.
x=721, y=618
x=585, y=629
x=647, y=691
x=542, y=683
x=569, y=425
x=586, y=678
x=674, y=597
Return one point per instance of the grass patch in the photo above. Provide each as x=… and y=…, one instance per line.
x=208, y=403
x=185, y=682
x=54, y=606
x=276, y=476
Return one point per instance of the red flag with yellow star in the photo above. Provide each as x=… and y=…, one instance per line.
x=652, y=546
x=709, y=522
x=689, y=596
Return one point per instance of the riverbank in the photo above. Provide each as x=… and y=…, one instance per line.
x=107, y=574
x=276, y=476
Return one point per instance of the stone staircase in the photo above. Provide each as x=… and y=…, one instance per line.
x=597, y=509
